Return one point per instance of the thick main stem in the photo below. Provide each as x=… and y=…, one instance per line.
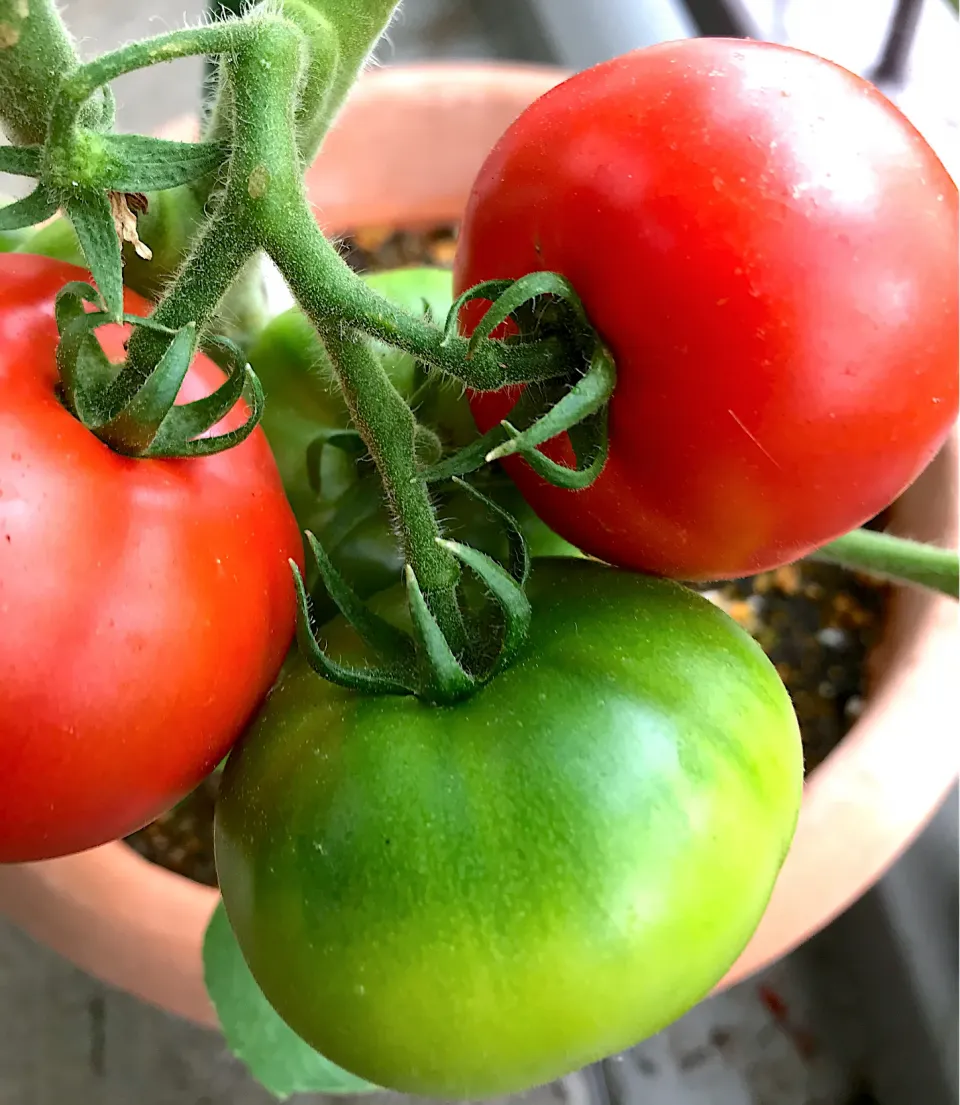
x=275, y=211
x=264, y=206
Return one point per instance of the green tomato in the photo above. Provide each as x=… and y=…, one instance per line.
x=469, y=900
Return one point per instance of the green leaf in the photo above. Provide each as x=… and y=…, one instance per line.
x=93, y=221
x=32, y=209
x=255, y=1032
x=136, y=163
x=20, y=160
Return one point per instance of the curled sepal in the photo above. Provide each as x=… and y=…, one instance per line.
x=86, y=373
x=506, y=591
x=589, y=394
x=135, y=428
x=35, y=208
x=468, y=459
x=474, y=456
x=181, y=433
x=520, y=292
x=444, y=679
x=366, y=680
x=519, y=563
x=392, y=643
x=590, y=445
x=21, y=160
x=486, y=289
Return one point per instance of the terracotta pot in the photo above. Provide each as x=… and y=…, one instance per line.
x=405, y=151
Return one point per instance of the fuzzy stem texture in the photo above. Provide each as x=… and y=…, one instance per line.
x=897, y=559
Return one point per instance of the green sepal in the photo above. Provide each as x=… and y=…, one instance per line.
x=590, y=443
x=519, y=553
x=365, y=680
x=32, y=209
x=134, y=428
x=85, y=371
x=486, y=289
x=140, y=417
x=522, y=291
x=21, y=160
x=136, y=163
x=444, y=679
x=180, y=433
x=392, y=643
x=587, y=396
x=509, y=595
x=92, y=219
x=468, y=459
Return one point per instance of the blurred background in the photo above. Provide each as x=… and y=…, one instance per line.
x=866, y=1012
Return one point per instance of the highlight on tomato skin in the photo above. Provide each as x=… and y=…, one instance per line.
x=147, y=605
x=770, y=250
x=472, y=900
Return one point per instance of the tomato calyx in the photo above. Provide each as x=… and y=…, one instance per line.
x=136, y=415
x=539, y=306
x=417, y=659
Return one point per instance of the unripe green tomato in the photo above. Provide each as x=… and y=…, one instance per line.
x=469, y=900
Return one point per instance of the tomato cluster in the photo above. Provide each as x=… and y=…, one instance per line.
x=467, y=900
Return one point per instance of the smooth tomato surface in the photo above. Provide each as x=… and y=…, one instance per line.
x=770, y=250
x=145, y=605
x=465, y=901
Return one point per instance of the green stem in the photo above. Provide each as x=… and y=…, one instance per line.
x=36, y=53
x=896, y=559
x=266, y=201
x=328, y=289
x=388, y=428
x=80, y=86
x=270, y=53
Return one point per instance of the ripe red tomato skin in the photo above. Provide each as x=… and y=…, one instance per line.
x=147, y=605
x=770, y=250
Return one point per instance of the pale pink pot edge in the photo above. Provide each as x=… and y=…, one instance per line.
x=141, y=928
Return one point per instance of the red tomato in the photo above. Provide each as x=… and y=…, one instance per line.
x=145, y=605
x=769, y=248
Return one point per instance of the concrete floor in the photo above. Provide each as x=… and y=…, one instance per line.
x=797, y=1035
x=66, y=1039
